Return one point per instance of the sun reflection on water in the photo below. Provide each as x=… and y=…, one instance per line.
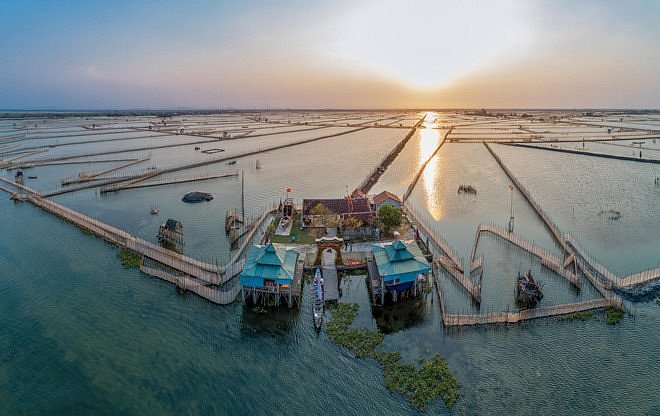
x=430, y=138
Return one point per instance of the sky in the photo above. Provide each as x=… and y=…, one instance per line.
x=329, y=54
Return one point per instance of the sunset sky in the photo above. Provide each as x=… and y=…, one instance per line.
x=319, y=54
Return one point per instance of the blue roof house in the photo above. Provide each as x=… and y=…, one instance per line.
x=269, y=270
x=399, y=264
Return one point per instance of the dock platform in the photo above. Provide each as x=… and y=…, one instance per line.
x=330, y=282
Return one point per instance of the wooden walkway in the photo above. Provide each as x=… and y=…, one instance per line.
x=377, y=285
x=206, y=273
x=473, y=288
x=88, y=176
x=373, y=177
x=2, y=188
x=604, y=277
x=587, y=153
x=128, y=182
x=425, y=230
x=506, y=317
x=598, y=274
x=426, y=162
x=330, y=279
x=548, y=259
x=185, y=282
x=330, y=283
x=179, y=180
x=554, y=229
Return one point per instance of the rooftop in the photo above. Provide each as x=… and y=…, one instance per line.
x=378, y=199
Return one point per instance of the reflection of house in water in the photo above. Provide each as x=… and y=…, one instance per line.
x=170, y=234
x=271, y=274
x=398, y=269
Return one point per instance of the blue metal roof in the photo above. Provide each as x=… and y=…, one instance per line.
x=399, y=260
x=269, y=263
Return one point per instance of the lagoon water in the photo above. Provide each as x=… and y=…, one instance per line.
x=79, y=334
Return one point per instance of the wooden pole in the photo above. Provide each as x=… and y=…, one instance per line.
x=243, y=196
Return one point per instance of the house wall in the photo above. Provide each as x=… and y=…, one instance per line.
x=403, y=278
x=390, y=202
x=252, y=281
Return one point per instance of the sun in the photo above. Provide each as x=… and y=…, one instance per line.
x=431, y=44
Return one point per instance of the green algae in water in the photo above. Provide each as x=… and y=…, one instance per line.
x=129, y=259
x=581, y=316
x=420, y=384
x=362, y=342
x=614, y=316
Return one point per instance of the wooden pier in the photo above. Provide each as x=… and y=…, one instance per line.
x=88, y=176
x=473, y=288
x=547, y=259
x=598, y=274
x=426, y=162
x=378, y=171
x=426, y=230
x=330, y=278
x=510, y=317
x=603, y=278
x=507, y=317
x=377, y=286
x=587, y=153
x=187, y=283
x=179, y=180
x=330, y=283
x=206, y=279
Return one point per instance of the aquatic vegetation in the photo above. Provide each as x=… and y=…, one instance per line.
x=420, y=384
x=614, y=316
x=581, y=316
x=362, y=342
x=129, y=259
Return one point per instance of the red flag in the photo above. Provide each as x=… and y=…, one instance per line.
x=288, y=189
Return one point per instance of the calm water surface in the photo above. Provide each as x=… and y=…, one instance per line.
x=81, y=335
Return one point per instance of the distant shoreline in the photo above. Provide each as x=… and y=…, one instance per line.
x=58, y=113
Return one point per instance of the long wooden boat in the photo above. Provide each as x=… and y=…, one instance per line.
x=318, y=299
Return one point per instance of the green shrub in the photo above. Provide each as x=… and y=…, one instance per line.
x=390, y=216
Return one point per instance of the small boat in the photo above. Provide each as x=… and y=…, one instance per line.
x=197, y=148
x=154, y=210
x=233, y=162
x=318, y=299
x=32, y=177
